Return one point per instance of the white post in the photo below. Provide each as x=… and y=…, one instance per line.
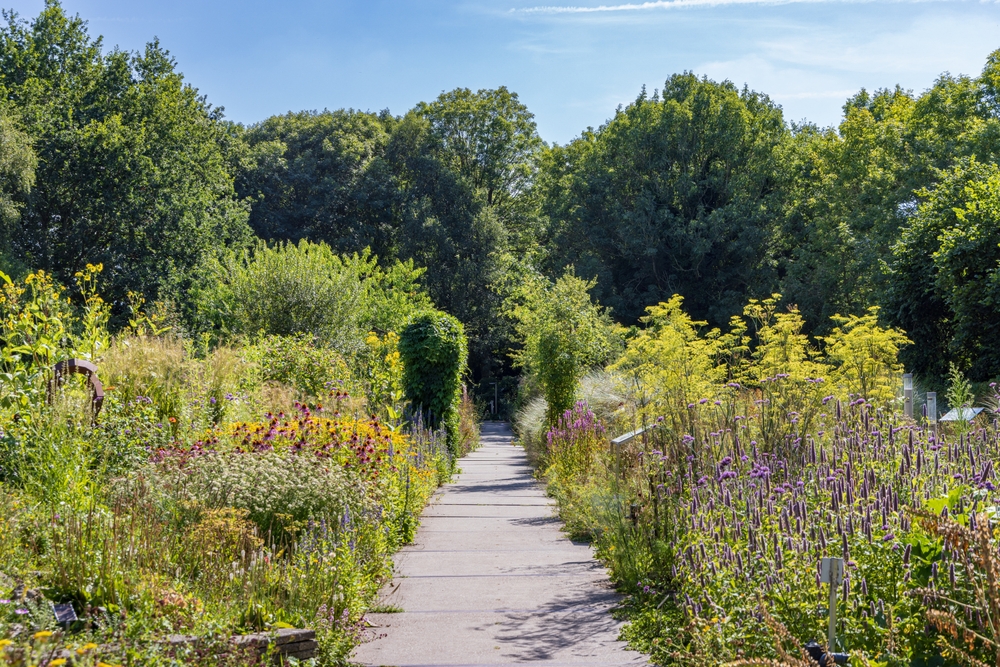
x=908, y=395
x=832, y=572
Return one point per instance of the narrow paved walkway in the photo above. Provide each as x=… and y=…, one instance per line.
x=490, y=579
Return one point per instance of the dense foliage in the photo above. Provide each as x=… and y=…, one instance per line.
x=434, y=352
x=676, y=194
x=563, y=333
x=280, y=311
x=250, y=485
x=699, y=189
x=754, y=465
x=132, y=167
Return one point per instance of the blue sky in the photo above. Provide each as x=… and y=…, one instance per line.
x=571, y=61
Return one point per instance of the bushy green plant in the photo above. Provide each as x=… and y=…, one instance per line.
x=278, y=491
x=563, y=334
x=306, y=288
x=299, y=362
x=434, y=353
x=288, y=289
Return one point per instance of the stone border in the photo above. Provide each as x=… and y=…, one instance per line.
x=288, y=642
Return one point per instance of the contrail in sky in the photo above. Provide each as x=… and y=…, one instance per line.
x=667, y=4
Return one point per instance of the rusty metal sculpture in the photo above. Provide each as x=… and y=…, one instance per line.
x=70, y=366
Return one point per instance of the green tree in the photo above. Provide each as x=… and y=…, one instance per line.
x=131, y=170
x=675, y=194
x=445, y=226
x=945, y=287
x=490, y=138
x=448, y=185
x=323, y=177
x=847, y=193
x=853, y=192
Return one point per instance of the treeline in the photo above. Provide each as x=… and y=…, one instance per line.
x=700, y=189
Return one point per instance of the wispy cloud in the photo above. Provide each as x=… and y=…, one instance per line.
x=671, y=4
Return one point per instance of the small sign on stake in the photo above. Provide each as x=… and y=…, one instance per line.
x=832, y=572
x=65, y=614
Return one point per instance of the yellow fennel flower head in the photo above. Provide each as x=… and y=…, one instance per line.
x=43, y=634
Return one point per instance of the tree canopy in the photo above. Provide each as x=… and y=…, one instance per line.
x=131, y=167
x=701, y=189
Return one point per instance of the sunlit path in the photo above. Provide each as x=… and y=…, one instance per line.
x=491, y=580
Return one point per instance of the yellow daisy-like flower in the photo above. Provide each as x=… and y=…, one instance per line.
x=5, y=643
x=104, y=664
x=57, y=662
x=90, y=646
x=43, y=634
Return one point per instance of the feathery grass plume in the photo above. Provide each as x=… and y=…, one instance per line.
x=965, y=612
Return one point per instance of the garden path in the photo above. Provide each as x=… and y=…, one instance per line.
x=490, y=579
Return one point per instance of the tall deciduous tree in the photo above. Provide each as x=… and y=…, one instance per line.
x=945, y=287
x=131, y=170
x=490, y=138
x=322, y=176
x=672, y=195
x=846, y=195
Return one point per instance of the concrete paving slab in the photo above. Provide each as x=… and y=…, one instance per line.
x=506, y=561
x=491, y=580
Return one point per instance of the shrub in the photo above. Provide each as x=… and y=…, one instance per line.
x=563, y=334
x=289, y=289
x=434, y=353
x=298, y=362
x=277, y=491
x=468, y=425
x=306, y=288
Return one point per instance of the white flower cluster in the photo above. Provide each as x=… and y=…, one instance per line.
x=275, y=487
